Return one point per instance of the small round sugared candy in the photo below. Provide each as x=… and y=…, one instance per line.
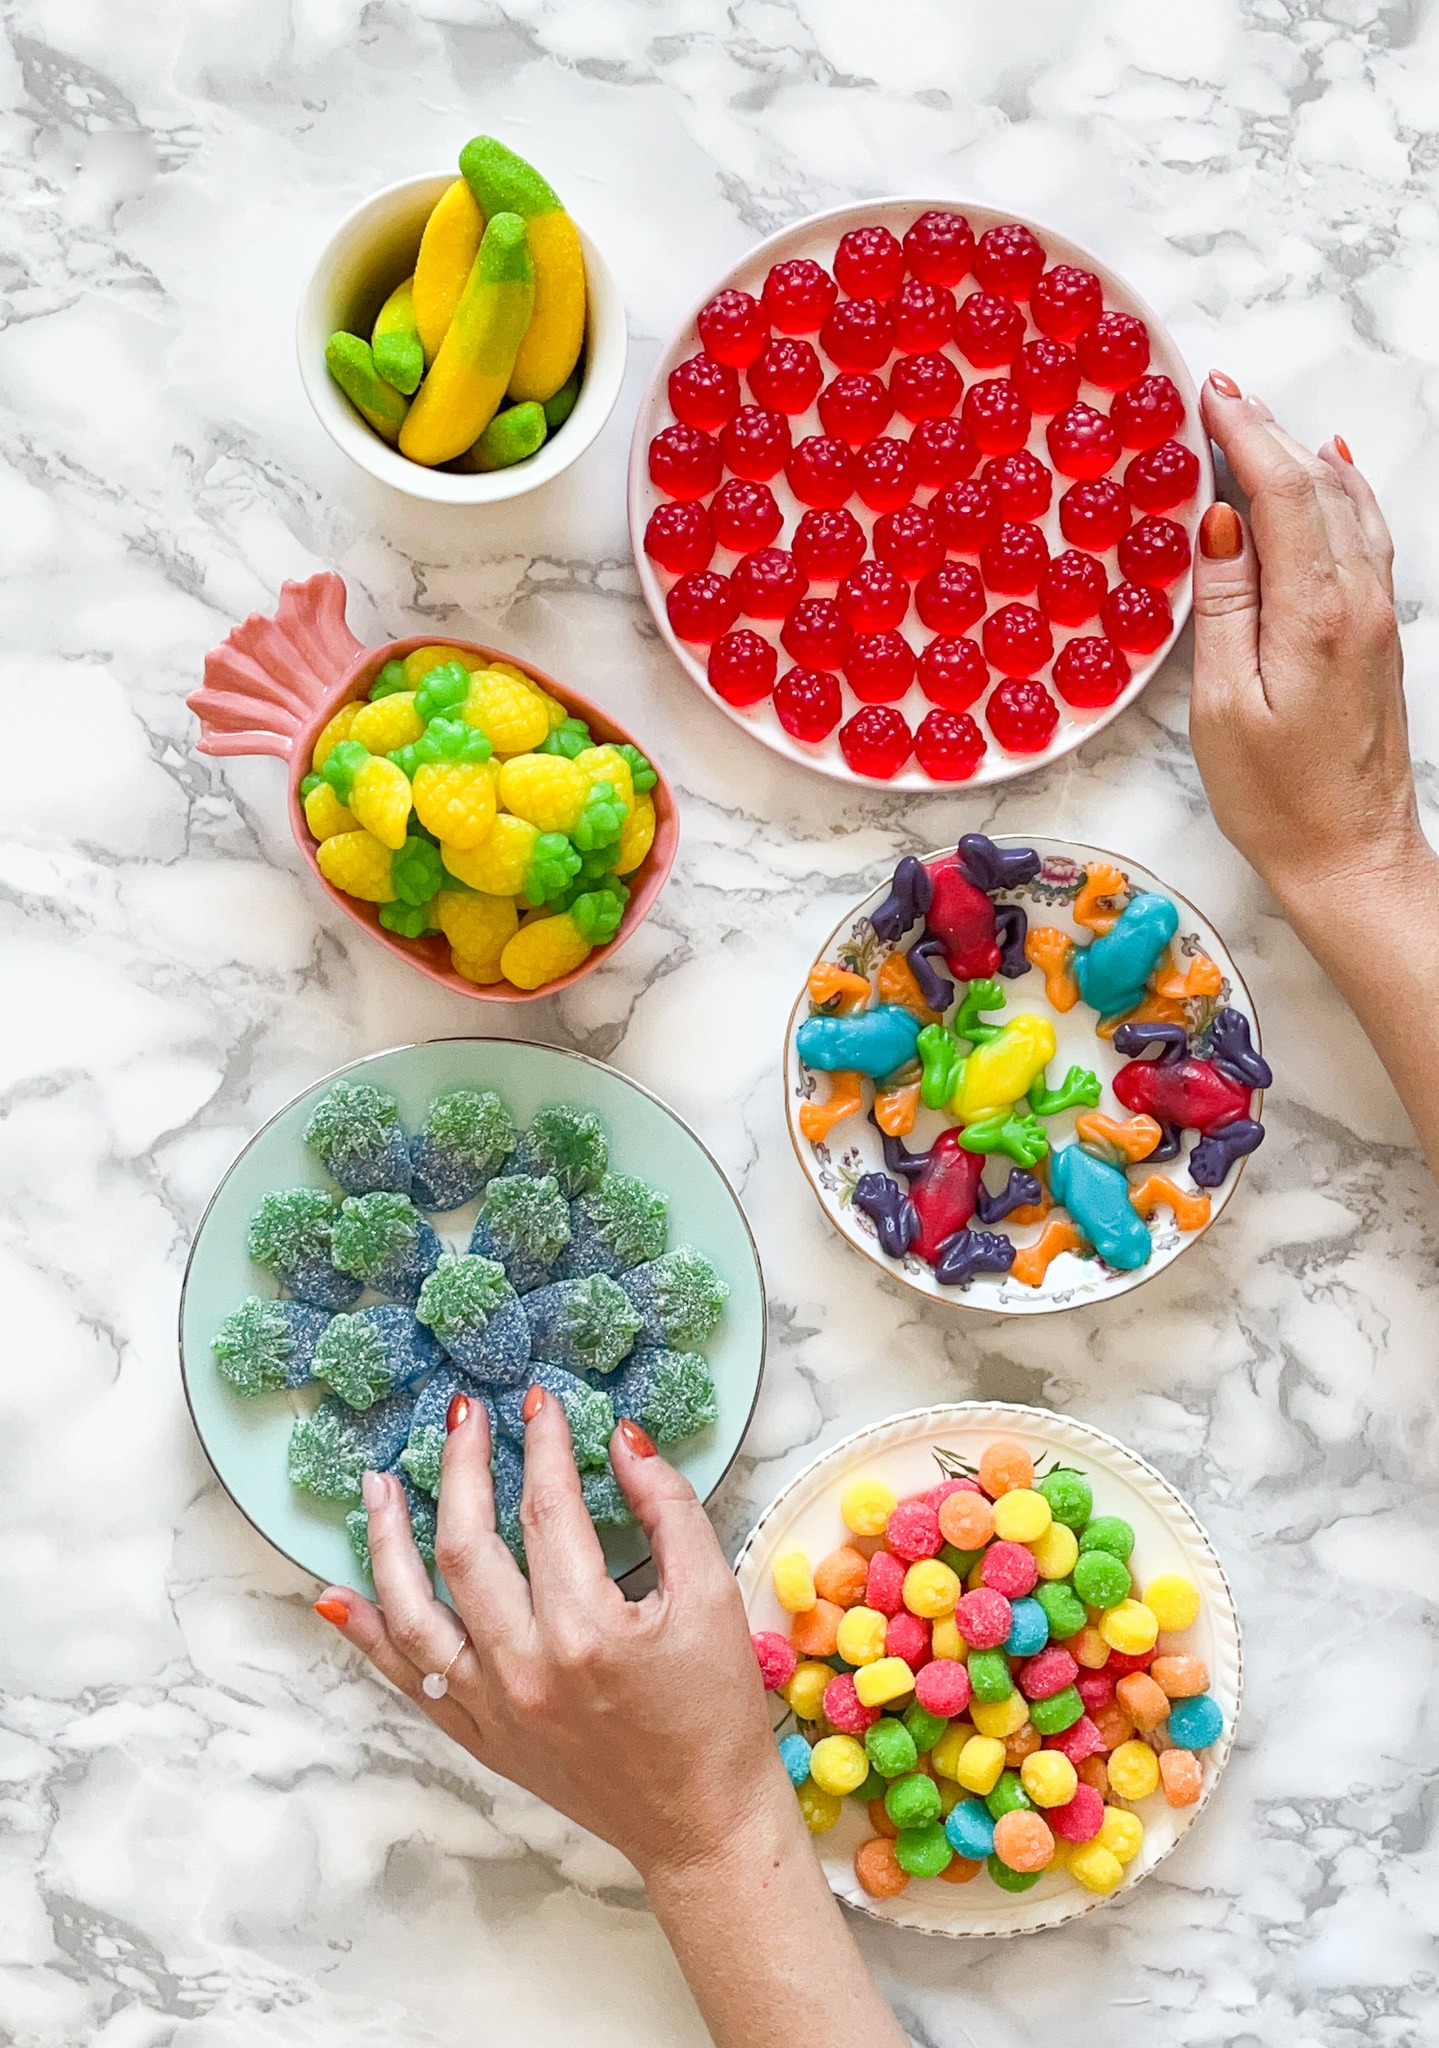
x=884, y=1588
x=701, y=606
x=876, y=741
x=1060, y=1710
x=1049, y=1778
x=1146, y=1705
x=908, y=541
x=939, y=247
x=794, y=1755
x=733, y=328
x=1195, y=1723
x=1178, y=1676
x=1055, y=1553
x=1022, y=1842
x=776, y=1658
x=769, y=583
x=1093, y=514
x=968, y=515
x=821, y=471
x=1066, y=1613
x=855, y=407
x=885, y=473
x=944, y=450
x=1065, y=301
x=990, y=1677
x=1009, y=1568
x=1046, y=375
x=1163, y=477
x=923, y=316
x=807, y=703
x=989, y=330
x=1069, y=1493
x=1081, y=442
x=1021, y=483
x=953, y=674
x=844, y=1710
x=684, y=463
x=1022, y=715
x=816, y=633
x=923, y=1850
x=1173, y=1601
x=745, y=515
x=1009, y=260
x=1182, y=1776
x=890, y=1748
x=1155, y=551
x=1147, y=412
x=797, y=295
x=1129, y=1627
x=755, y=443
x=1017, y=640
x=821, y=1810
x=1029, y=1629
x=948, y=745
x=1137, y=619
x=742, y=667
x=869, y=263
x=828, y=543
x=1122, y=1662
x=1114, y=350
x=1021, y=1515
x=1095, y=1688
x=1101, y=1580
x=838, y=1764
x=879, y=668
x=703, y=393
x=1072, y=588
x=983, y=1618
x=1134, y=1770
x=1015, y=559
x=1095, y=1868
x=942, y=1687
x=1048, y=1673
x=925, y=387
x=996, y=415
x=1089, y=672
x=1079, y=1820
x=680, y=537
x=1109, y=1532
x=1005, y=1466
x=873, y=599
x=950, y=598
x=877, y=1869
x=786, y=375
x=858, y=334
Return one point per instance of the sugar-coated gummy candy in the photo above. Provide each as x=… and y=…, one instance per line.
x=1093, y=1770
x=1060, y=1710
x=948, y=1747
x=1180, y=1677
x=912, y=1801
x=1100, y=1579
x=354, y=1129
x=860, y=1637
x=871, y=1793
x=838, y=1764
x=567, y=1143
x=1090, y=1649
x=1079, y=1818
x=969, y=1829
x=1022, y=1841
x=984, y=1618
x=878, y=1870
x=945, y=1639
x=1008, y=1796
x=816, y=1632
x=879, y=1820
x=1122, y=1662
x=524, y=1224
x=844, y=1712
x=588, y=1411
x=1122, y=1833
x=1064, y=1608
x=1133, y=1769
x=804, y=1693
x=263, y=1345
x=999, y=1718
x=1009, y=1880
x=989, y=1676
x=1173, y=1601
x=1196, y=1722
x=1028, y=1628
x=622, y=1222
x=906, y=1635
x=843, y=1577
x=888, y=1679
x=1049, y=1778
x=966, y=1520
x=1048, y=1673
x=465, y=1139
x=470, y=1305
x=1008, y=1568
x=680, y=1297
x=979, y=1764
x=374, y=1352
x=931, y=1588
x=290, y=1235
x=1113, y=1723
x=794, y=1755
x=890, y=1747
x=1021, y=1741
x=866, y=1505
x=385, y=1242
x=943, y=1687
x=793, y=1582
x=1111, y=1533
x=1095, y=1688
x=925, y=1728
x=1129, y=1627
x=330, y=1449
x=923, y=1851
x=777, y=1659
x=821, y=1809
x=1182, y=1776
x=1070, y=1496
x=585, y=1325
x=1021, y=1515
x=1144, y=1702
x=1094, y=1867
x=1004, y=1465
x=912, y=1531
x=884, y=1580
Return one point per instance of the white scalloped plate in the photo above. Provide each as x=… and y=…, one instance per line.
x=816, y=236
x=832, y=1168
x=1169, y=1538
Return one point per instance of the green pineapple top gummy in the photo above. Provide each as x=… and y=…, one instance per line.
x=372, y=1232
x=641, y=773
x=351, y=1358
x=342, y=764
x=554, y=863
x=682, y=1398
x=443, y=689
x=410, y=920
x=253, y=1347
x=325, y=1457
x=444, y=739
x=629, y=1216
x=462, y=1294
x=689, y=1295
x=597, y=912
x=289, y=1227
x=602, y=820
x=600, y=1321
x=474, y=1126
x=390, y=681
x=569, y=1143
x=416, y=871
x=567, y=740
x=421, y=1457
x=527, y=1215
x=354, y=1121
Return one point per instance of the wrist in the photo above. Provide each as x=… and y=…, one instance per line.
x=760, y=1833
x=1381, y=884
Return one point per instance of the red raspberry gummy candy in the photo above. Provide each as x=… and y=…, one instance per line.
x=1081, y=442
x=1136, y=619
x=1008, y=260
x=1114, y=350
x=1163, y=477
x=996, y=415
x=745, y=515
x=1093, y=515
x=828, y=543
x=879, y=669
x=855, y=407
x=1015, y=559
x=844, y=1710
x=680, y=537
x=755, y=443
x=907, y=1637
x=1046, y=375
x=948, y=745
x=1065, y=301
x=701, y=605
x=942, y=1687
x=797, y=295
x=684, y=463
x=869, y=263
x=1147, y=412
x=733, y=328
x=815, y=633
x=807, y=703
x=1047, y=1672
x=768, y=583
x=1154, y=551
x=778, y=1659
x=874, y=599
x=884, y=472
x=908, y=540
x=1072, y=588
x=703, y=393
x=950, y=598
x=1022, y=715
x=939, y=247
x=1080, y=1818
x=989, y=330
x=821, y=471
x=786, y=376
x=1021, y=483
x=944, y=451
x=741, y=667
x=968, y=515
x=1010, y=1569
x=884, y=1589
x=923, y=315
x=876, y=741
x=983, y=1618
x=1089, y=672
x=953, y=673
x=925, y=386
x=858, y=334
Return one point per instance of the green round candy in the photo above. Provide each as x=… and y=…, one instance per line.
x=960, y=1562
x=1012, y=1880
x=1100, y=1579
x=989, y=1676
x=1063, y=1608
x=1108, y=1532
x=913, y=1801
x=924, y=1728
x=874, y=1787
x=1008, y=1796
x=890, y=1748
x=923, y=1851
x=1060, y=1711
x=1070, y=1497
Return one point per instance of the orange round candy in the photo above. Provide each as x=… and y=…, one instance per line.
x=842, y=1577
x=1113, y=1723
x=1180, y=1677
x=966, y=1520
x=816, y=1634
x=1095, y=1771
x=1182, y=1776
x=1144, y=1702
x=1023, y=1841
x=879, y=1819
x=959, y=1870
x=1024, y=1742
x=878, y=1869
x=1004, y=1466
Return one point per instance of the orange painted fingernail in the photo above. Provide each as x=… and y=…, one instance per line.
x=1225, y=386
x=533, y=1402
x=458, y=1409
x=1342, y=447
x=1221, y=536
x=334, y=1611
x=639, y=1440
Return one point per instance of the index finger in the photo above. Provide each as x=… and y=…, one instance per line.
x=1290, y=533
x=568, y=1574
x=487, y=1585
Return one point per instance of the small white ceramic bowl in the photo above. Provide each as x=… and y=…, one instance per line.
x=369, y=253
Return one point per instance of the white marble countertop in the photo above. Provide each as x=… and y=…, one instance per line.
x=214, y=1829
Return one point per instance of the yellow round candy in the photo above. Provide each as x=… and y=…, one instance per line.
x=931, y=1589
x=976, y=1577
x=1133, y=1770
x=949, y=1748
x=1121, y=1833
x=980, y=1763
x=838, y=1764
x=866, y=1505
x=950, y=1794
x=945, y=1639
x=890, y=1678
x=1130, y=1627
x=1173, y=1601
x=861, y=1636
x=1049, y=1777
x=1021, y=1516
x=821, y=1809
x=1095, y=1867
x=1000, y=1717
x=1055, y=1552
x=793, y=1582
x=805, y=1691
x=1089, y=1649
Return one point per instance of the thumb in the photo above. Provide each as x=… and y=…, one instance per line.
x=1226, y=614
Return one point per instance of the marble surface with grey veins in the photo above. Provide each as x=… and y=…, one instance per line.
x=214, y=1828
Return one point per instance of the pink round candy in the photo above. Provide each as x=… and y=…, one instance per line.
x=1010, y=1569
x=1080, y=1819
x=1048, y=1673
x=844, y=1710
x=1079, y=1741
x=884, y=1588
x=938, y=1495
x=907, y=1637
x=778, y=1659
x=942, y=1687
x=1095, y=1688
x=984, y=1619
x=912, y=1531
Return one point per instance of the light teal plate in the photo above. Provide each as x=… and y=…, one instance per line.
x=246, y=1441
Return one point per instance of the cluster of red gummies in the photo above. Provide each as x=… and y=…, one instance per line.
x=954, y=503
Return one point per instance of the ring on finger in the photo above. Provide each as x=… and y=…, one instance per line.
x=435, y=1684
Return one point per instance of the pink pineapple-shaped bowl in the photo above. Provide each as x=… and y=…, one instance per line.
x=273, y=685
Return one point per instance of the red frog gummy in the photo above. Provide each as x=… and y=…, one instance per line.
x=944, y=1193
x=1212, y=1096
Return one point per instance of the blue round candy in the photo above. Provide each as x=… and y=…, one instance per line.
x=794, y=1755
x=969, y=1830
x=1195, y=1723
x=1029, y=1631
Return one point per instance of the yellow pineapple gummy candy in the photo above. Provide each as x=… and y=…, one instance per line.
x=478, y=929
x=556, y=711
x=607, y=764
x=546, y=789
x=388, y=723
x=419, y=663
x=509, y=711
x=638, y=835
x=544, y=949
x=325, y=814
x=456, y=801
x=500, y=865
x=338, y=729
x=357, y=863
x=381, y=798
